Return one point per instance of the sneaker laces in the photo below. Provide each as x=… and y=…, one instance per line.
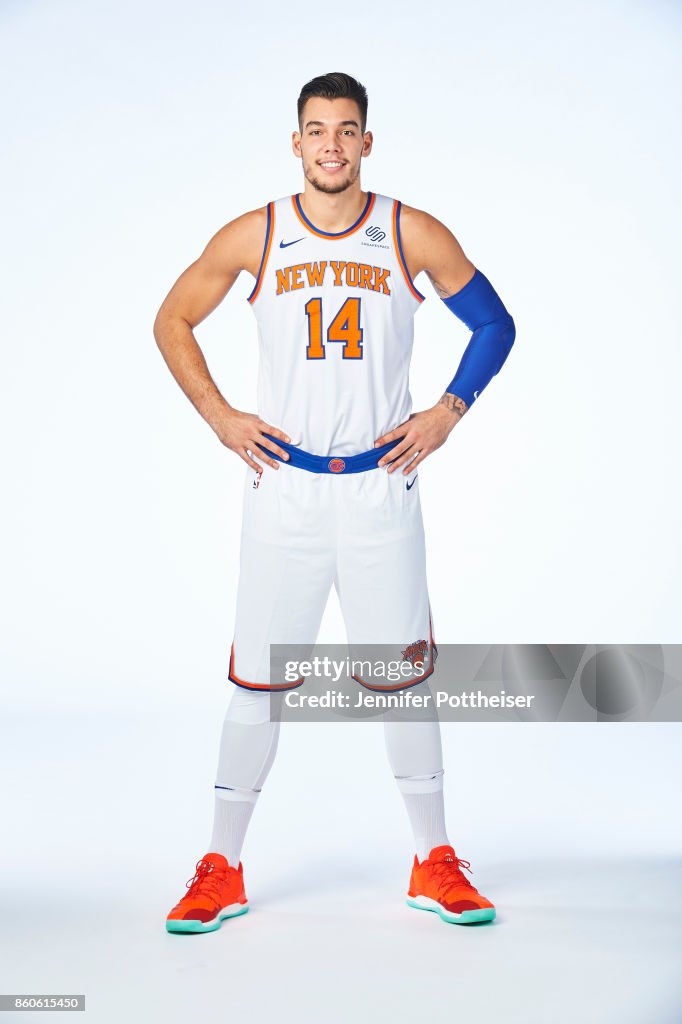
x=449, y=874
x=206, y=881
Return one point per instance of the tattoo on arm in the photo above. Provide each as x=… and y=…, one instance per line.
x=453, y=403
x=441, y=290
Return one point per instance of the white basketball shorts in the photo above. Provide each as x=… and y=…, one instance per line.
x=303, y=532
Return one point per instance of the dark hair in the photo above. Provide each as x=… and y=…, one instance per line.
x=335, y=86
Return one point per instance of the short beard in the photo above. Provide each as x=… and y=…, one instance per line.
x=332, y=189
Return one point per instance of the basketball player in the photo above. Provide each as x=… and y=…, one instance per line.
x=331, y=491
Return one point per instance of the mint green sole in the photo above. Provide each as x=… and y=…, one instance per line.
x=466, y=917
x=199, y=926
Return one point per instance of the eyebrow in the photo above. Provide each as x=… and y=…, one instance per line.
x=322, y=123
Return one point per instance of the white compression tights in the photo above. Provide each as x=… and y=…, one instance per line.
x=247, y=750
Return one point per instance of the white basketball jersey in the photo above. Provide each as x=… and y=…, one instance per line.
x=335, y=324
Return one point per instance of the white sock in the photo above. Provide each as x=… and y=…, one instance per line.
x=247, y=749
x=230, y=822
x=423, y=798
x=415, y=754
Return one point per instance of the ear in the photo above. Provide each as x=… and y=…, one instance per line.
x=296, y=143
x=368, y=139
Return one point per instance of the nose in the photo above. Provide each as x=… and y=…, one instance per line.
x=332, y=145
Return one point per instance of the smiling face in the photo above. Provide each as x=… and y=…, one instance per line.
x=331, y=143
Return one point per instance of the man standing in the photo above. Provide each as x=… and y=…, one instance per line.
x=331, y=492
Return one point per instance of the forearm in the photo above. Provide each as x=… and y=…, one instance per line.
x=186, y=362
x=479, y=306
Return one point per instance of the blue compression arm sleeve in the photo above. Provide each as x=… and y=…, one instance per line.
x=479, y=306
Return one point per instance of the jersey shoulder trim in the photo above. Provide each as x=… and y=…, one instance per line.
x=269, y=232
x=298, y=210
x=399, y=251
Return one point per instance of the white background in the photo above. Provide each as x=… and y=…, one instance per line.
x=546, y=137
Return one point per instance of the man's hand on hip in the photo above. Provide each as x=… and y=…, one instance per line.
x=421, y=434
x=242, y=432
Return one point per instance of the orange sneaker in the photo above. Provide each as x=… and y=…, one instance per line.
x=438, y=884
x=215, y=892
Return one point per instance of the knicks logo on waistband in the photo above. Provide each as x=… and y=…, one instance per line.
x=336, y=465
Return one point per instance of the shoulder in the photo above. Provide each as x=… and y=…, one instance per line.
x=418, y=226
x=431, y=246
x=248, y=227
x=239, y=243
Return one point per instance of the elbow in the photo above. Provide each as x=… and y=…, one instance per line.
x=168, y=325
x=508, y=336
x=157, y=328
x=163, y=328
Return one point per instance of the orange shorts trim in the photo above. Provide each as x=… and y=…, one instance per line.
x=272, y=688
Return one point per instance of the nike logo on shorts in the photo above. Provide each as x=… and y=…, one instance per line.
x=408, y=486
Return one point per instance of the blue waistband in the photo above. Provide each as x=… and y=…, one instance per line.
x=329, y=463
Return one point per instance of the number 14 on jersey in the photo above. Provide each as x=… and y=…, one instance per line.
x=344, y=328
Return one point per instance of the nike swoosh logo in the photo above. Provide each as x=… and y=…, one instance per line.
x=408, y=486
x=283, y=245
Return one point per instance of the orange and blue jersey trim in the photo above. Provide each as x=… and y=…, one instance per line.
x=275, y=688
x=399, y=251
x=393, y=688
x=298, y=210
x=269, y=231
